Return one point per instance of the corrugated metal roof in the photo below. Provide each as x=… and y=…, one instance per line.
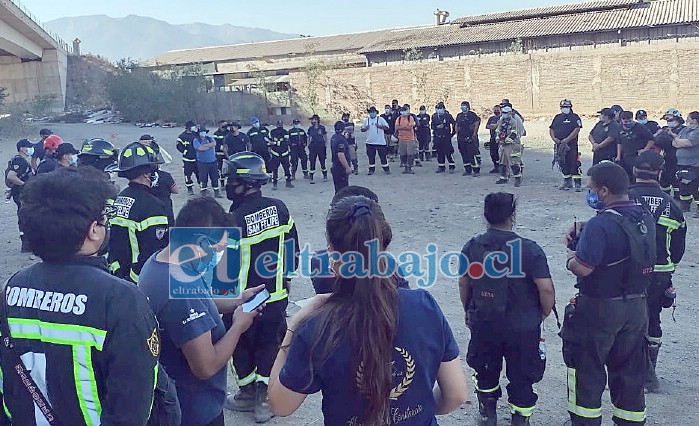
x=640, y=14
x=266, y=49
x=543, y=11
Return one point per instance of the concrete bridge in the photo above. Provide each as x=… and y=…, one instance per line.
x=33, y=61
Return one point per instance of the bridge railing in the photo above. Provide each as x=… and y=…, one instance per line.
x=63, y=45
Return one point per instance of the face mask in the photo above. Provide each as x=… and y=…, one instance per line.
x=464, y=108
x=593, y=200
x=601, y=119
x=193, y=129
x=404, y=113
x=440, y=111
x=256, y=125
x=388, y=111
x=297, y=126
x=372, y=114
x=643, y=121
x=422, y=111
x=345, y=119
x=104, y=247
x=74, y=159
x=30, y=151
x=236, y=199
x=204, y=266
x=671, y=124
x=565, y=110
x=202, y=134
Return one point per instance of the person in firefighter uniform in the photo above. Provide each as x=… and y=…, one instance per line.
x=266, y=226
x=185, y=146
x=605, y=325
x=140, y=225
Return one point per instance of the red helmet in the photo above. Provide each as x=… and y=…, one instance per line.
x=52, y=142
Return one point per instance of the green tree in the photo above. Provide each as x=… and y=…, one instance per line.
x=143, y=95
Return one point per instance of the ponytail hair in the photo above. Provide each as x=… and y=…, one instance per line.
x=362, y=310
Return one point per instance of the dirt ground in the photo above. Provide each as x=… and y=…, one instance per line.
x=447, y=209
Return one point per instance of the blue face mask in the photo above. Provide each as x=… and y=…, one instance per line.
x=372, y=114
x=440, y=111
x=464, y=108
x=643, y=121
x=202, y=134
x=593, y=200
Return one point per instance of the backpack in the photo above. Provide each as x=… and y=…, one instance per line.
x=489, y=296
x=641, y=262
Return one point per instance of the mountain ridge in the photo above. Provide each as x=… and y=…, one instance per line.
x=139, y=37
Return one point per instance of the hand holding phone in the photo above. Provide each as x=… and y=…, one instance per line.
x=256, y=301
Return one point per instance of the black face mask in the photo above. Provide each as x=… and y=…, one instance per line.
x=237, y=199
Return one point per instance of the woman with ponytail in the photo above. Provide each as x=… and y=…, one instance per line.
x=374, y=350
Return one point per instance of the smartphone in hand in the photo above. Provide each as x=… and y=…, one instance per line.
x=256, y=301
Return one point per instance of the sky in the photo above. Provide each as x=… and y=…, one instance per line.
x=307, y=17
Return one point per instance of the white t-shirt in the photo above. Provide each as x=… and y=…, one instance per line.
x=374, y=135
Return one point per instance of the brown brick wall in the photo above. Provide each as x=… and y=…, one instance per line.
x=653, y=77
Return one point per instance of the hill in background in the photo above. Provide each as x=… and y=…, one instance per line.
x=139, y=37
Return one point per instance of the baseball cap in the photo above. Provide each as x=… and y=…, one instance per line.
x=616, y=108
x=296, y=121
x=649, y=160
x=236, y=125
x=315, y=116
x=672, y=112
x=24, y=143
x=254, y=119
x=189, y=124
x=146, y=138
x=45, y=132
x=372, y=109
x=440, y=105
x=280, y=123
x=65, y=148
x=606, y=111
x=641, y=113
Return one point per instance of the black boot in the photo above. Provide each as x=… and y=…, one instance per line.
x=567, y=184
x=387, y=170
x=274, y=185
x=578, y=185
x=518, y=182
x=685, y=205
x=409, y=165
x=403, y=160
x=487, y=408
x=355, y=166
x=325, y=176
x=651, y=382
x=467, y=171
x=190, y=190
x=495, y=170
x=288, y=182
x=217, y=193
x=441, y=169
x=519, y=420
x=262, y=413
x=305, y=175
x=243, y=401
x=310, y=177
x=371, y=170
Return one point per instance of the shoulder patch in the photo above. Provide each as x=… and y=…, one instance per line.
x=153, y=343
x=160, y=233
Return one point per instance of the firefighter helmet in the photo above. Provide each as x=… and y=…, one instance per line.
x=247, y=167
x=134, y=155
